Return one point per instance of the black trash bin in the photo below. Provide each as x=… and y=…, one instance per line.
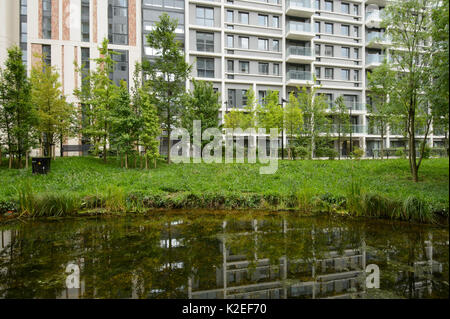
x=40, y=165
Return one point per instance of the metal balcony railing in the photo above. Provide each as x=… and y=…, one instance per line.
x=296, y=50
x=299, y=75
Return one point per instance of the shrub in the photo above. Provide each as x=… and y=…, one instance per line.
x=426, y=152
x=357, y=153
x=301, y=152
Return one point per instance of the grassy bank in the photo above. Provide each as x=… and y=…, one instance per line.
x=366, y=188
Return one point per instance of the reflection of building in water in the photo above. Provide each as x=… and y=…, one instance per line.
x=333, y=274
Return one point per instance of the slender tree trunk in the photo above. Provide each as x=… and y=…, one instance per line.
x=26, y=160
x=10, y=160
x=382, y=142
x=412, y=147
x=146, y=161
x=61, y=153
x=126, y=160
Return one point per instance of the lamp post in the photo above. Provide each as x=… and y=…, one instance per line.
x=282, y=129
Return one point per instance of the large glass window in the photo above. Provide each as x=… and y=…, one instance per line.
x=205, y=67
x=121, y=68
x=244, y=42
x=263, y=20
x=47, y=54
x=47, y=19
x=329, y=73
x=244, y=66
x=317, y=26
x=205, y=16
x=276, y=69
x=345, y=8
x=23, y=30
x=118, y=21
x=276, y=21
x=263, y=68
x=329, y=28
x=345, y=74
x=205, y=42
x=329, y=50
x=243, y=17
x=85, y=20
x=345, y=30
x=329, y=5
x=276, y=45
x=345, y=52
x=85, y=62
x=230, y=66
x=230, y=16
x=231, y=98
x=263, y=44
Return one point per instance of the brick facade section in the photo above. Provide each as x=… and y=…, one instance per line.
x=132, y=22
x=36, y=53
x=66, y=20
x=55, y=19
x=40, y=14
x=94, y=21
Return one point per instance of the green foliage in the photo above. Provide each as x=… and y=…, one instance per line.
x=302, y=152
x=202, y=103
x=245, y=118
x=166, y=75
x=357, y=153
x=17, y=113
x=151, y=130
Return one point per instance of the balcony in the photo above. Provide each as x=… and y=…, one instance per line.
x=299, y=31
x=374, y=60
x=297, y=54
x=355, y=128
x=354, y=106
x=377, y=40
x=374, y=18
x=295, y=78
x=299, y=8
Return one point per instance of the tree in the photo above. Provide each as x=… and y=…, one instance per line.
x=270, y=114
x=54, y=114
x=124, y=124
x=408, y=25
x=342, y=121
x=315, y=118
x=293, y=120
x=202, y=103
x=381, y=84
x=167, y=74
x=98, y=95
x=150, y=131
x=17, y=113
x=245, y=118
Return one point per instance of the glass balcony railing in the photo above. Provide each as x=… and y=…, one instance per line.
x=355, y=128
x=299, y=75
x=299, y=27
x=299, y=4
x=375, y=58
x=354, y=106
x=377, y=36
x=296, y=50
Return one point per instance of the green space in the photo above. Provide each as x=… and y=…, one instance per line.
x=381, y=188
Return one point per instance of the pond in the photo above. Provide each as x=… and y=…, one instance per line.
x=198, y=254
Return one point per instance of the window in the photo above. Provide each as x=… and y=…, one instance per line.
x=329, y=5
x=317, y=26
x=345, y=52
x=263, y=68
x=231, y=98
x=120, y=72
x=329, y=28
x=85, y=20
x=318, y=72
x=329, y=73
x=356, y=75
x=205, y=67
x=47, y=54
x=230, y=16
x=276, y=45
x=355, y=31
x=276, y=69
x=244, y=67
x=329, y=50
x=230, y=66
x=345, y=30
x=205, y=42
x=243, y=17
x=244, y=97
x=355, y=9
x=85, y=62
x=230, y=41
x=244, y=42
x=345, y=74
x=356, y=53
x=23, y=30
x=345, y=8
x=263, y=44
x=205, y=16
x=317, y=49
x=261, y=97
x=317, y=4
x=118, y=21
x=276, y=21
x=47, y=19
x=263, y=20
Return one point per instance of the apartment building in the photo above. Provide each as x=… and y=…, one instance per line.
x=236, y=44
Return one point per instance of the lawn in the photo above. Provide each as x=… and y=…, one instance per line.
x=87, y=176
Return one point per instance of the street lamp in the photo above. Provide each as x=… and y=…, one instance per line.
x=282, y=129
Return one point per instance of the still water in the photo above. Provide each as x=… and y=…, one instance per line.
x=195, y=254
